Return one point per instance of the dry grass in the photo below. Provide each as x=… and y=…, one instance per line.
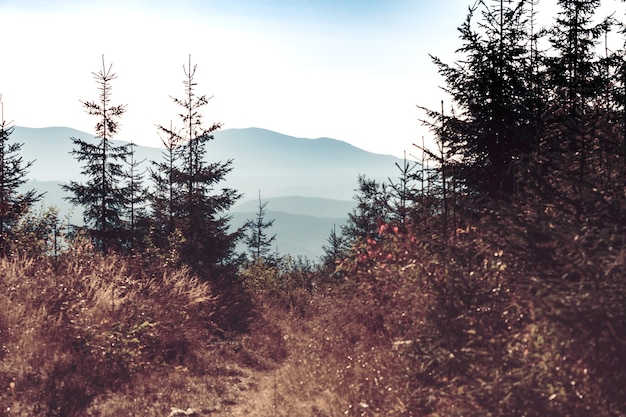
x=411, y=329
x=335, y=367
x=96, y=336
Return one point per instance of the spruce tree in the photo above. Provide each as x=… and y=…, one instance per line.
x=371, y=211
x=198, y=211
x=104, y=194
x=13, y=171
x=335, y=250
x=573, y=69
x=136, y=198
x=575, y=79
x=164, y=191
x=491, y=89
x=258, y=241
x=403, y=191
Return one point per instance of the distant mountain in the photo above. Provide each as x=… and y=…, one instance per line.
x=308, y=206
x=309, y=183
x=277, y=165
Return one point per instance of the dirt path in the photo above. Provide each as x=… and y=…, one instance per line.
x=290, y=389
x=259, y=399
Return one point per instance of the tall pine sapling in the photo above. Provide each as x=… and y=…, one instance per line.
x=335, y=250
x=403, y=192
x=442, y=179
x=105, y=194
x=258, y=241
x=198, y=211
x=165, y=191
x=13, y=171
x=136, y=198
x=573, y=70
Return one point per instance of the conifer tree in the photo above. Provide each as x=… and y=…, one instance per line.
x=403, y=191
x=198, y=209
x=573, y=70
x=104, y=195
x=335, y=250
x=575, y=79
x=258, y=242
x=136, y=198
x=165, y=191
x=13, y=171
x=491, y=92
x=372, y=209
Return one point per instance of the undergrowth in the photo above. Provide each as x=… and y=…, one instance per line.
x=465, y=326
x=95, y=335
x=409, y=324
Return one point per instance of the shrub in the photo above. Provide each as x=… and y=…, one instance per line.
x=483, y=332
x=70, y=336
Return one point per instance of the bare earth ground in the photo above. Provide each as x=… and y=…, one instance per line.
x=287, y=390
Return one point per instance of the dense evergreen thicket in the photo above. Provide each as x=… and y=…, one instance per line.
x=518, y=241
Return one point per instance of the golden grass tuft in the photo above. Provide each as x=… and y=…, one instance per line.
x=92, y=335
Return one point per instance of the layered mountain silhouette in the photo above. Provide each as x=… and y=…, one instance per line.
x=309, y=183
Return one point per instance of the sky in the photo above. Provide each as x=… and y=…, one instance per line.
x=353, y=70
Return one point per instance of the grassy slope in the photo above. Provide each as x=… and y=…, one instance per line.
x=94, y=336
x=103, y=337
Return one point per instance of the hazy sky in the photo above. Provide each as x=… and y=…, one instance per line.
x=352, y=70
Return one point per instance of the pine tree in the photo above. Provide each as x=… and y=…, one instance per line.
x=13, y=171
x=198, y=209
x=165, y=192
x=491, y=88
x=573, y=71
x=258, y=242
x=136, y=198
x=335, y=250
x=403, y=191
x=372, y=209
x=571, y=148
x=104, y=195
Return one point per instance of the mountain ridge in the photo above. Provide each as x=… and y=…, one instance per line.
x=309, y=183
x=274, y=163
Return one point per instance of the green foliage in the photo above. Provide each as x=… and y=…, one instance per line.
x=137, y=195
x=104, y=195
x=372, y=209
x=482, y=332
x=186, y=184
x=287, y=283
x=334, y=252
x=13, y=171
x=38, y=233
x=258, y=242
